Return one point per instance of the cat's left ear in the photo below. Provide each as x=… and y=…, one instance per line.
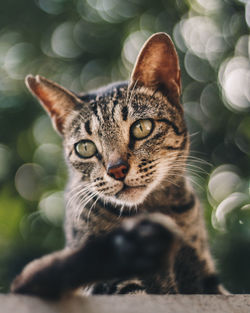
x=157, y=67
x=57, y=101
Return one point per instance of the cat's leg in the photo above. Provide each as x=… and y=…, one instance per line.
x=137, y=249
x=149, y=247
x=195, y=273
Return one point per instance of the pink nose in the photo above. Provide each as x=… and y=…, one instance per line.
x=118, y=171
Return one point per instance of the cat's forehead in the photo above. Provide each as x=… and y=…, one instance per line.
x=107, y=110
x=107, y=105
x=102, y=110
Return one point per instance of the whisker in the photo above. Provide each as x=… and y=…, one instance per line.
x=92, y=206
x=77, y=193
x=84, y=202
x=132, y=93
x=194, y=134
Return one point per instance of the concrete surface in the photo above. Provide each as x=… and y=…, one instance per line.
x=131, y=304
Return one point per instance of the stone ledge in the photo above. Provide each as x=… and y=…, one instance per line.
x=128, y=303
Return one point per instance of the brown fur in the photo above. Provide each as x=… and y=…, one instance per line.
x=139, y=230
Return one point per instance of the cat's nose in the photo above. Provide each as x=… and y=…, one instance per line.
x=118, y=170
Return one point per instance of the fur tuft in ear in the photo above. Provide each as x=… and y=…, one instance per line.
x=56, y=100
x=157, y=67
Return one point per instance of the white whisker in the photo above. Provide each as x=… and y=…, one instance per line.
x=93, y=205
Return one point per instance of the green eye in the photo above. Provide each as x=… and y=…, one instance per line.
x=141, y=129
x=85, y=149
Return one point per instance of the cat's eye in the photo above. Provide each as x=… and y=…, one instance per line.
x=142, y=129
x=85, y=148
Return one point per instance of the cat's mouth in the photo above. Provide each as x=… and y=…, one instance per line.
x=129, y=190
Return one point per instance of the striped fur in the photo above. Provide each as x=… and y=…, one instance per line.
x=144, y=233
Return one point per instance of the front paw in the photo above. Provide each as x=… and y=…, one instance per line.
x=143, y=245
x=27, y=283
x=41, y=277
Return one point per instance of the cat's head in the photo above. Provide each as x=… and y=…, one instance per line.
x=123, y=142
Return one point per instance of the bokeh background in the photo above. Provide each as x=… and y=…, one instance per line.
x=83, y=44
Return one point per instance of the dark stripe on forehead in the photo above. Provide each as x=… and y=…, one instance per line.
x=102, y=105
x=87, y=127
x=125, y=113
x=104, y=108
x=94, y=110
x=115, y=102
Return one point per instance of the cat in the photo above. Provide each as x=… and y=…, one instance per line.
x=133, y=224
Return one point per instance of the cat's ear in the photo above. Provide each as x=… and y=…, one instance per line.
x=57, y=101
x=157, y=66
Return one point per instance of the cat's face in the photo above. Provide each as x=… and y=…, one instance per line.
x=123, y=142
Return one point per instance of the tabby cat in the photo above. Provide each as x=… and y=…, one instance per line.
x=133, y=224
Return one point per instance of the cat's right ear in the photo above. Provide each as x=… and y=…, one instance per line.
x=57, y=101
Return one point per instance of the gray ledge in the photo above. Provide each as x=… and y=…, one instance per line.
x=128, y=303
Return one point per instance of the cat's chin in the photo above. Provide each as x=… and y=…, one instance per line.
x=130, y=195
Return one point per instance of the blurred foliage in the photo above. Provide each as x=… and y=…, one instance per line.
x=83, y=44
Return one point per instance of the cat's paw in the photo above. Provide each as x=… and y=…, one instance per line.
x=140, y=246
x=28, y=283
x=143, y=244
x=41, y=277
